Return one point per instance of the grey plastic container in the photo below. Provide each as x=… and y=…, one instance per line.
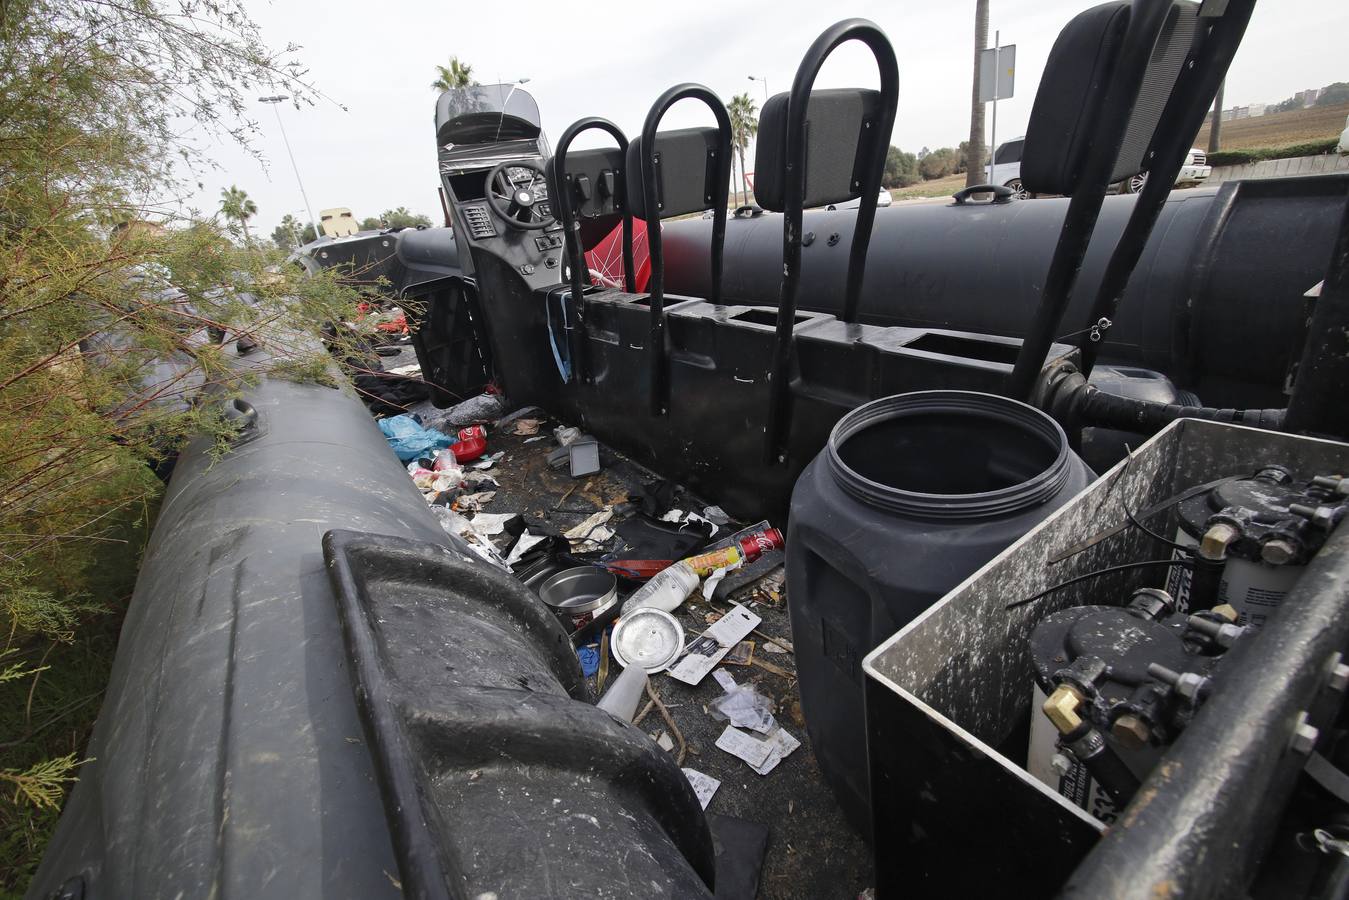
x=912, y=494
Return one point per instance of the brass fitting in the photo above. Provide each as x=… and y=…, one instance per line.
x=1131, y=731
x=1216, y=541
x=1227, y=611
x=1061, y=708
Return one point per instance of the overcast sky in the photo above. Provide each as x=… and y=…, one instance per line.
x=612, y=59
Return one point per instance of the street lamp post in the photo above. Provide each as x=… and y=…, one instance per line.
x=764, y=79
x=274, y=100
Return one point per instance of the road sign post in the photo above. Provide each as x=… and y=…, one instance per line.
x=997, y=79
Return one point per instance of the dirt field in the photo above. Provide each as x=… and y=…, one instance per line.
x=937, y=187
x=1280, y=129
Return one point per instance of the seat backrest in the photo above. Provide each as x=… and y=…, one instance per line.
x=1066, y=118
x=596, y=184
x=840, y=125
x=686, y=166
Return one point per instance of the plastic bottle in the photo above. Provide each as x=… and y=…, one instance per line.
x=669, y=588
x=672, y=586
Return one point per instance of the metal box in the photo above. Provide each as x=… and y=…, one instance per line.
x=948, y=696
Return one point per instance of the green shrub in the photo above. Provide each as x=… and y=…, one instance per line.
x=1242, y=157
x=93, y=96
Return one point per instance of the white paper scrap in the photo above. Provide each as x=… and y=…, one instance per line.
x=725, y=679
x=491, y=523
x=704, y=652
x=780, y=746
x=488, y=461
x=523, y=546
x=703, y=785
x=752, y=750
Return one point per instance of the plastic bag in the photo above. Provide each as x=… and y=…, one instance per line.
x=410, y=439
x=743, y=706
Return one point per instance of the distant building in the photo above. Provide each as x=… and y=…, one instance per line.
x=1257, y=109
x=1308, y=97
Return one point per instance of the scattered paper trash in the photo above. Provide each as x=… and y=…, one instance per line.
x=685, y=517
x=477, y=541
x=750, y=749
x=704, y=786
x=664, y=742
x=781, y=744
x=716, y=515
x=706, y=651
x=488, y=461
x=491, y=523
x=592, y=530
x=762, y=756
x=533, y=439
x=565, y=434
x=526, y=542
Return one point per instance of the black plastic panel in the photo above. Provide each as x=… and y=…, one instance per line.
x=497, y=774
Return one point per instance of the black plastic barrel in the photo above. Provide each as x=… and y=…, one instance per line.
x=911, y=495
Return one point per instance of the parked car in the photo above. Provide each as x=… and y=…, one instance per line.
x=1006, y=170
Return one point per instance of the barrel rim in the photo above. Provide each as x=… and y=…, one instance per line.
x=1003, y=501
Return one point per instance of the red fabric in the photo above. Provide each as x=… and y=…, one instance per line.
x=606, y=260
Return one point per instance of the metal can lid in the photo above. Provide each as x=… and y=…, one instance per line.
x=648, y=638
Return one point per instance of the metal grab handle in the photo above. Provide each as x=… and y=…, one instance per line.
x=243, y=416
x=557, y=172
x=579, y=274
x=1001, y=193
x=657, y=351
x=794, y=200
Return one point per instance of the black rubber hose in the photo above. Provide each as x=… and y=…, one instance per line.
x=1128, y=414
x=1075, y=403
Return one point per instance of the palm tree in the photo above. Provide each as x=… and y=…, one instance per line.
x=234, y=203
x=455, y=75
x=744, y=125
x=974, y=156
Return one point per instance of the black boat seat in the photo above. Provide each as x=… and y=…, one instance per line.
x=839, y=128
x=686, y=167
x=597, y=183
x=1066, y=115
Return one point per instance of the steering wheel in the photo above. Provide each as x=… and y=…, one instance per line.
x=520, y=203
